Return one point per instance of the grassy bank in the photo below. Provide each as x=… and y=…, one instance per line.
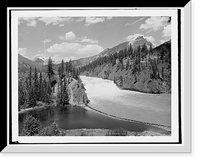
x=32, y=127
x=110, y=132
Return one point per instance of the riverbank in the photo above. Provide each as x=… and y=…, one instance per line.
x=167, y=128
x=110, y=132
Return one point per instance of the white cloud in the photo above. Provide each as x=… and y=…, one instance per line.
x=46, y=41
x=94, y=20
x=61, y=25
x=22, y=51
x=155, y=23
x=70, y=36
x=167, y=31
x=30, y=21
x=80, y=19
x=61, y=37
x=55, y=20
x=87, y=40
x=109, y=18
x=75, y=49
x=162, y=41
x=130, y=24
x=150, y=38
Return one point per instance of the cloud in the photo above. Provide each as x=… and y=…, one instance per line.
x=109, y=18
x=162, y=41
x=70, y=36
x=94, y=20
x=29, y=21
x=46, y=41
x=87, y=40
x=155, y=23
x=75, y=49
x=80, y=19
x=55, y=20
x=130, y=24
x=61, y=25
x=167, y=31
x=22, y=51
x=150, y=39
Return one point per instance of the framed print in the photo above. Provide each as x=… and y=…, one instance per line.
x=98, y=79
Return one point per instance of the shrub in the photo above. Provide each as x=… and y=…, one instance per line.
x=30, y=126
x=117, y=132
x=52, y=130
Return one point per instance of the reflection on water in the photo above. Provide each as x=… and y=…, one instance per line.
x=74, y=117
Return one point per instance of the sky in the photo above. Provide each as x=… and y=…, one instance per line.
x=77, y=37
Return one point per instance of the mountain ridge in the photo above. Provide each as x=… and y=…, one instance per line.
x=140, y=40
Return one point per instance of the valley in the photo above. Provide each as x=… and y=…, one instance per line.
x=128, y=82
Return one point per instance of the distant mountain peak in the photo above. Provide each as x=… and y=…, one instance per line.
x=39, y=57
x=135, y=37
x=39, y=60
x=139, y=39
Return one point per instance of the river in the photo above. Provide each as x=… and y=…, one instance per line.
x=106, y=97
x=107, y=104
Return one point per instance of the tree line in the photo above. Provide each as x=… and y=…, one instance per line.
x=134, y=59
x=38, y=86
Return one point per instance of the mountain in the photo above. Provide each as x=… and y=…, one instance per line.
x=166, y=45
x=140, y=40
x=24, y=63
x=143, y=71
x=39, y=60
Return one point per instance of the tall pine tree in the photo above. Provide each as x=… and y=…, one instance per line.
x=50, y=71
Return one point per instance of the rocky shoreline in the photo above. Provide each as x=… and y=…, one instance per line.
x=167, y=128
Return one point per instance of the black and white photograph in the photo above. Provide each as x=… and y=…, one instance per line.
x=95, y=76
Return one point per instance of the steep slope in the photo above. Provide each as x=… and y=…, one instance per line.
x=151, y=74
x=140, y=40
x=24, y=64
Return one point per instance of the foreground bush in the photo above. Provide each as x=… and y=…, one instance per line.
x=31, y=126
x=117, y=132
x=52, y=130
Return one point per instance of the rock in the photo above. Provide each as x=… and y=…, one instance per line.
x=77, y=92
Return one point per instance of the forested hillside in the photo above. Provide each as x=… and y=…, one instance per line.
x=54, y=85
x=139, y=68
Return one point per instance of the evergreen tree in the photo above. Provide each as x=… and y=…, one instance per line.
x=155, y=72
x=21, y=94
x=50, y=71
x=67, y=68
x=70, y=66
x=163, y=52
x=36, y=86
x=150, y=50
x=144, y=51
x=32, y=99
x=30, y=80
x=65, y=97
x=139, y=58
x=40, y=87
x=130, y=51
x=31, y=96
x=62, y=69
x=127, y=64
